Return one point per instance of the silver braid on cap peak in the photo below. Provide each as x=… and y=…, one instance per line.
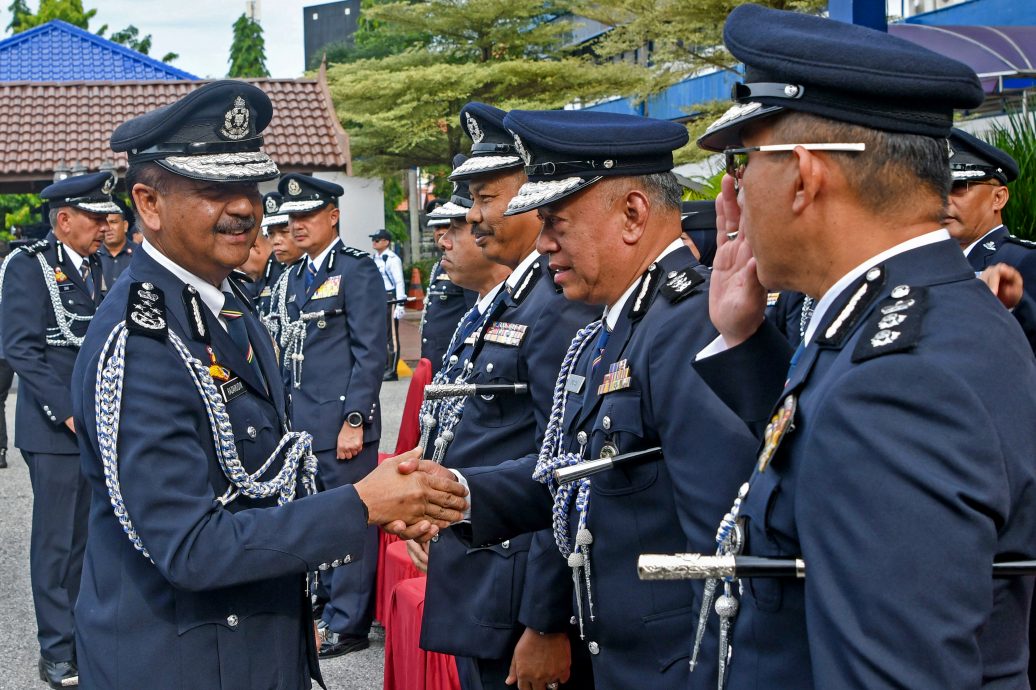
x=295, y=446
x=480, y=163
x=242, y=165
x=534, y=193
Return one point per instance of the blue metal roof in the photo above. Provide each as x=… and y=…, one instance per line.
x=677, y=102
x=980, y=13
x=58, y=51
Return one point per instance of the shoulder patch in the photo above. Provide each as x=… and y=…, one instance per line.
x=894, y=326
x=680, y=284
x=354, y=252
x=1028, y=244
x=145, y=311
x=36, y=247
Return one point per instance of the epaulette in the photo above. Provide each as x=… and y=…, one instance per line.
x=145, y=311
x=680, y=284
x=862, y=295
x=1028, y=244
x=354, y=252
x=527, y=281
x=644, y=294
x=894, y=326
x=238, y=274
x=36, y=247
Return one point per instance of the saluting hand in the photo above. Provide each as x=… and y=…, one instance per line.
x=737, y=300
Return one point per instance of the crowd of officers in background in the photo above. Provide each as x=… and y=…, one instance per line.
x=587, y=313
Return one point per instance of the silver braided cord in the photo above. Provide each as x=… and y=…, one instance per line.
x=294, y=446
x=61, y=335
x=552, y=457
x=278, y=313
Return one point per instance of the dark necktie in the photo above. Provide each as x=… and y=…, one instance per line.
x=232, y=312
x=311, y=274
x=602, y=343
x=84, y=270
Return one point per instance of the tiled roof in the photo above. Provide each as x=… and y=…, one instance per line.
x=45, y=125
x=58, y=51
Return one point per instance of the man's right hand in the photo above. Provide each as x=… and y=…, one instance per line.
x=411, y=500
x=737, y=300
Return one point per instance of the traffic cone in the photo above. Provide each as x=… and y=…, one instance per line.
x=416, y=291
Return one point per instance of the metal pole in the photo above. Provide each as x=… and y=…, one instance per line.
x=414, y=205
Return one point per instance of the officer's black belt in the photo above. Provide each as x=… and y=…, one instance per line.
x=696, y=566
x=459, y=390
x=567, y=475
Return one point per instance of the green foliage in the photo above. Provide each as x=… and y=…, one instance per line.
x=16, y=210
x=395, y=222
x=248, y=50
x=70, y=11
x=370, y=40
x=425, y=267
x=686, y=35
x=1018, y=138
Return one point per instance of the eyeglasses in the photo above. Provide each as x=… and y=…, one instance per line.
x=737, y=159
x=962, y=187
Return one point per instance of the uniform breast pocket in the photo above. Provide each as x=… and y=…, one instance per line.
x=619, y=428
x=499, y=364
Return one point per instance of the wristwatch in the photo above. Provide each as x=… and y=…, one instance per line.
x=354, y=419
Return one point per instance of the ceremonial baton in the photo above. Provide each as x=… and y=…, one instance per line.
x=567, y=475
x=401, y=300
x=462, y=390
x=696, y=566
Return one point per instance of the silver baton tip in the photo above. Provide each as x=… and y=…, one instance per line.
x=684, y=566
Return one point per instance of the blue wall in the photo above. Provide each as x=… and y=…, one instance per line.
x=981, y=13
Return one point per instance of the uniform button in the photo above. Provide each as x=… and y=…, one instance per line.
x=335, y=563
x=347, y=559
x=232, y=620
x=573, y=620
x=323, y=566
x=424, y=340
x=606, y=422
x=505, y=544
x=341, y=398
x=435, y=538
x=489, y=367
x=594, y=648
x=581, y=437
x=251, y=432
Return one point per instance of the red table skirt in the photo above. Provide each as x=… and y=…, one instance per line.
x=407, y=666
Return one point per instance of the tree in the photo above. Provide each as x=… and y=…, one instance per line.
x=130, y=37
x=70, y=11
x=19, y=10
x=370, y=41
x=248, y=51
x=402, y=110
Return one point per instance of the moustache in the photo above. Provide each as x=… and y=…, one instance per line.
x=235, y=227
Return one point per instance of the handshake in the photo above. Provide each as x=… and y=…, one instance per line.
x=412, y=497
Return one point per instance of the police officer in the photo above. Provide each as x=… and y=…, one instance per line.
x=500, y=611
x=445, y=302
x=883, y=465
x=50, y=291
x=117, y=250
x=611, y=226
x=262, y=267
x=195, y=569
x=272, y=303
x=698, y=222
x=391, y=268
x=334, y=364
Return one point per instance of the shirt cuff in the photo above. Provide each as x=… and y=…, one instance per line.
x=466, y=517
x=716, y=347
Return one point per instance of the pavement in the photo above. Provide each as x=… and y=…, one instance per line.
x=356, y=671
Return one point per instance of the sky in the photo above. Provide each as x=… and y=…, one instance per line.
x=201, y=30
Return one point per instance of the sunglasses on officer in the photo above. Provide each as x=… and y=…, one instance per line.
x=962, y=187
x=737, y=158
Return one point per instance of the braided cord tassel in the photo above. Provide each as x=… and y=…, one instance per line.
x=296, y=447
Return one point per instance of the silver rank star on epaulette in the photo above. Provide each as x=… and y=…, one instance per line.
x=990, y=245
x=895, y=325
x=354, y=252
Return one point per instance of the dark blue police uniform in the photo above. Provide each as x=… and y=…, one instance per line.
x=337, y=378
x=113, y=265
x=46, y=306
x=218, y=598
x=479, y=601
x=619, y=394
x=445, y=304
x=896, y=463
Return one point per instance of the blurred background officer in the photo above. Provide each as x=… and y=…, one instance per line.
x=117, y=250
x=500, y=612
x=391, y=268
x=50, y=292
x=698, y=225
x=974, y=215
x=334, y=384
x=446, y=302
x=195, y=569
x=884, y=465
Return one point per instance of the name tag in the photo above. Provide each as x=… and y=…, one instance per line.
x=329, y=288
x=574, y=384
x=234, y=388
